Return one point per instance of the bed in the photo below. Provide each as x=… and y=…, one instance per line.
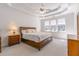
x=35, y=39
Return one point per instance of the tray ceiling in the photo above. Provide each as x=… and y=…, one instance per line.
x=34, y=8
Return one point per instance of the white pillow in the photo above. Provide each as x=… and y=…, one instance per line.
x=29, y=31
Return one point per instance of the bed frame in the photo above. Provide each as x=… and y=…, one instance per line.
x=37, y=45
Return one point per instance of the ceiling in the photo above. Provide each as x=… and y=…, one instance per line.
x=34, y=8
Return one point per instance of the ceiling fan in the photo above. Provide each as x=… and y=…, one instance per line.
x=44, y=9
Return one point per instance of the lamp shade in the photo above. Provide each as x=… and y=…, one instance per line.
x=12, y=29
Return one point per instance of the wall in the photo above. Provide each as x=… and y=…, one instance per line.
x=9, y=15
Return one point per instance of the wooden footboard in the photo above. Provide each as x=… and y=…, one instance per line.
x=37, y=45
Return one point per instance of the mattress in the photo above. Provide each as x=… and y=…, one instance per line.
x=37, y=37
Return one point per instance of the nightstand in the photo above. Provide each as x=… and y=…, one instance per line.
x=13, y=39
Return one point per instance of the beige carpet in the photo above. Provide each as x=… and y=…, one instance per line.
x=58, y=47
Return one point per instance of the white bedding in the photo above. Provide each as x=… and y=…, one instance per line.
x=36, y=36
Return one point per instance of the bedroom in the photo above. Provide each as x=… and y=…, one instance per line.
x=13, y=16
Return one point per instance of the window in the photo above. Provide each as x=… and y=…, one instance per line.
x=61, y=25
x=55, y=25
x=47, y=26
x=53, y=22
x=46, y=23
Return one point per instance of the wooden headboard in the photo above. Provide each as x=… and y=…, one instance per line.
x=25, y=28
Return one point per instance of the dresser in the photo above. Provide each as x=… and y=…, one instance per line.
x=13, y=39
x=73, y=45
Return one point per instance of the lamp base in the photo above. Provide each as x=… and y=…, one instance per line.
x=13, y=33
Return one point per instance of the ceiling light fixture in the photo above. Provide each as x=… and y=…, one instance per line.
x=42, y=8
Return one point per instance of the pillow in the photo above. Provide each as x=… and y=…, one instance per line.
x=29, y=31
x=24, y=31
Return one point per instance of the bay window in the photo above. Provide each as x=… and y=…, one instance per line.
x=55, y=25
